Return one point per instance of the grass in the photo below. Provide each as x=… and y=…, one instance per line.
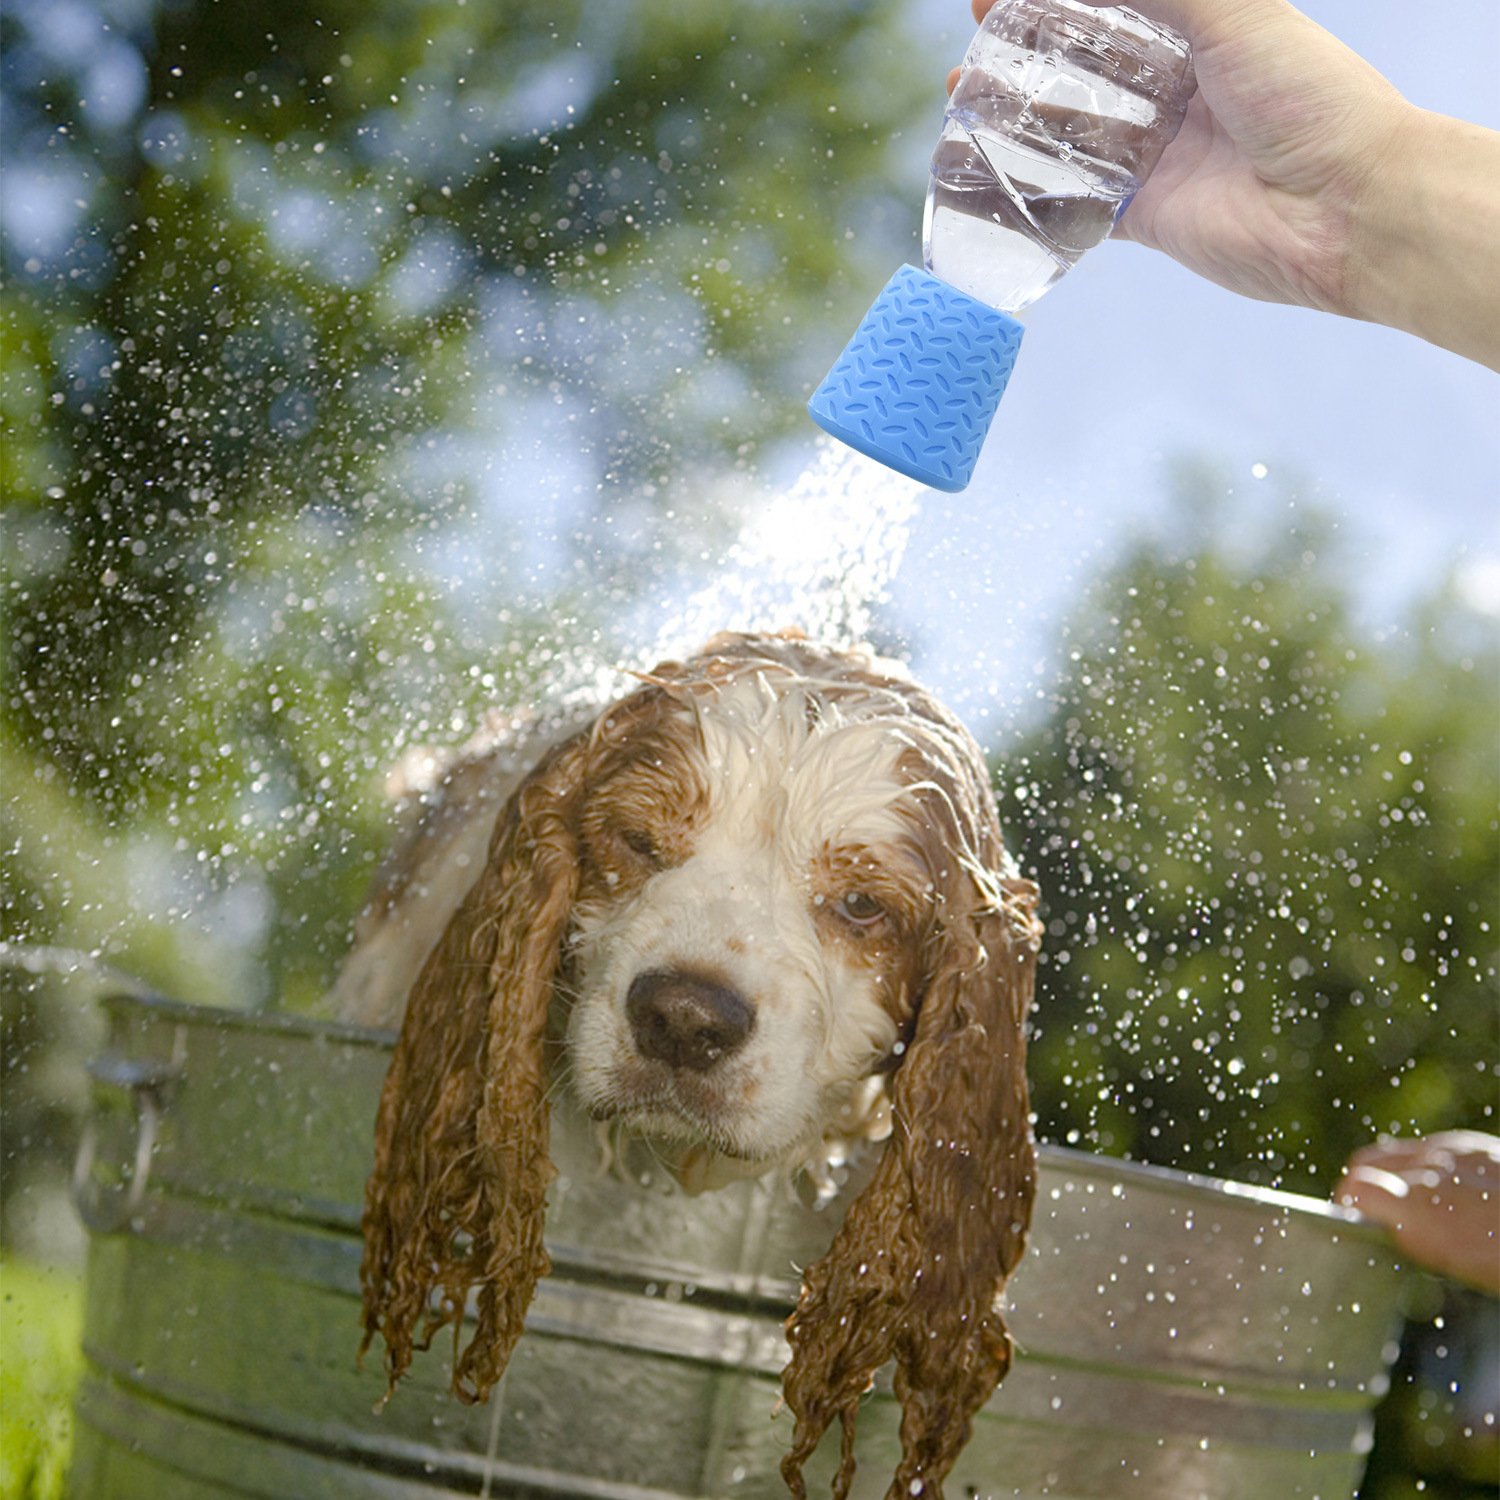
x=41, y=1326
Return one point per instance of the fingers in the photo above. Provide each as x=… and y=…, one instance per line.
x=1439, y=1197
x=953, y=79
x=1465, y=1153
x=1374, y=1192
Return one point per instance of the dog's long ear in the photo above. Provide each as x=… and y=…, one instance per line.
x=918, y=1266
x=456, y=1199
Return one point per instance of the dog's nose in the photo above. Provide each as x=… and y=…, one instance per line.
x=685, y=1020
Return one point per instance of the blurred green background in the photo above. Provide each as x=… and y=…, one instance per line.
x=369, y=365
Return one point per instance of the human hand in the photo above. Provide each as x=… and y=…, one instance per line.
x=1440, y=1198
x=1301, y=175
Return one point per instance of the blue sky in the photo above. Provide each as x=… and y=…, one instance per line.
x=1131, y=363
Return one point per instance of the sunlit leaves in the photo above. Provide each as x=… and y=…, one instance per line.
x=367, y=344
x=1267, y=841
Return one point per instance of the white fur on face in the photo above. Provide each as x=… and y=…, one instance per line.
x=784, y=786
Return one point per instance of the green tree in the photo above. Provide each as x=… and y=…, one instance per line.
x=1266, y=837
x=359, y=290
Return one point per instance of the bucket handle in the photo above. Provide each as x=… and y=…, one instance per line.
x=113, y=1208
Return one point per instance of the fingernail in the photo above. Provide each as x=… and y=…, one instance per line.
x=1387, y=1182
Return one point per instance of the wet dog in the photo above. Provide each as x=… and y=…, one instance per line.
x=765, y=902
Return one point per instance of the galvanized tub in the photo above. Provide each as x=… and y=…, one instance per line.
x=1179, y=1339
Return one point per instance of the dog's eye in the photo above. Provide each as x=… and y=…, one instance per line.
x=642, y=845
x=859, y=907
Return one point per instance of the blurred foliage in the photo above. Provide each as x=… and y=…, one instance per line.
x=1266, y=839
x=51, y=1025
x=355, y=358
x=1435, y=1433
x=40, y=1363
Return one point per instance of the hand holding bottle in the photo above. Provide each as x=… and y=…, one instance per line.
x=1061, y=110
x=1301, y=175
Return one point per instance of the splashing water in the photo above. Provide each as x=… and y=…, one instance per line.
x=820, y=556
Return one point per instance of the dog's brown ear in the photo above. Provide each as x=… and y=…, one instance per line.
x=457, y=1196
x=918, y=1266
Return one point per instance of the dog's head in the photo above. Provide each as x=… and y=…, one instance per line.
x=768, y=877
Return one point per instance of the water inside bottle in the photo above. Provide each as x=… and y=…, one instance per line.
x=1005, y=220
x=1056, y=121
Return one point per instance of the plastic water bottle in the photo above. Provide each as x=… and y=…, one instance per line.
x=1061, y=111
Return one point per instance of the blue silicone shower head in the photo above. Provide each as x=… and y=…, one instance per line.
x=918, y=384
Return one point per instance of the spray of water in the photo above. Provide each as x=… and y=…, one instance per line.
x=820, y=556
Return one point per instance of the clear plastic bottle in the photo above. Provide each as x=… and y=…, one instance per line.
x=1060, y=113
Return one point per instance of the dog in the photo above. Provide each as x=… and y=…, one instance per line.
x=766, y=901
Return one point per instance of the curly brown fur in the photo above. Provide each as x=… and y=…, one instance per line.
x=917, y=1268
x=457, y=1196
x=461, y=1170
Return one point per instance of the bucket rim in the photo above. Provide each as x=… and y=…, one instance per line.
x=1119, y=1174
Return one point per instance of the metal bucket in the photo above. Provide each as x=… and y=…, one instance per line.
x=1179, y=1338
